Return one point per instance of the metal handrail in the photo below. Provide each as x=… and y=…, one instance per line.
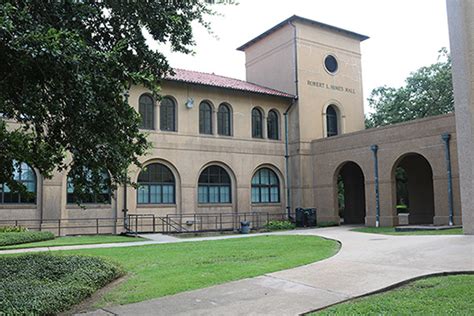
x=171, y=223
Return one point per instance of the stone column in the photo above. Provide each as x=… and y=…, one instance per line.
x=461, y=33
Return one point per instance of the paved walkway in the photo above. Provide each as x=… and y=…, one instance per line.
x=153, y=239
x=366, y=263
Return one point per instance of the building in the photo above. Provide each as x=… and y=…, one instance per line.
x=461, y=33
x=277, y=141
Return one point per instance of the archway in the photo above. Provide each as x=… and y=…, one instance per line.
x=351, y=193
x=416, y=191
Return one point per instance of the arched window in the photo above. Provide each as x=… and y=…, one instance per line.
x=205, y=118
x=146, y=108
x=167, y=115
x=331, y=121
x=223, y=120
x=156, y=185
x=214, y=186
x=23, y=174
x=265, y=187
x=257, y=126
x=90, y=197
x=272, y=125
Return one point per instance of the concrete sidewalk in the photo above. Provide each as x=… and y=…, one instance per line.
x=366, y=263
x=154, y=239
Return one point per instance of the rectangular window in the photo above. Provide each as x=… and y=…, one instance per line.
x=213, y=194
x=143, y=194
x=225, y=194
x=274, y=195
x=255, y=195
x=168, y=194
x=265, y=195
x=155, y=194
x=223, y=127
x=205, y=121
x=149, y=117
x=203, y=196
x=167, y=118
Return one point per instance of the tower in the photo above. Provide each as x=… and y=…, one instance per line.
x=321, y=65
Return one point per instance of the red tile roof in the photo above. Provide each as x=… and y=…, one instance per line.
x=213, y=80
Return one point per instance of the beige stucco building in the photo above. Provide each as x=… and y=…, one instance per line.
x=461, y=33
x=277, y=141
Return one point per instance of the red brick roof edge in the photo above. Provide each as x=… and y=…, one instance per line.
x=207, y=79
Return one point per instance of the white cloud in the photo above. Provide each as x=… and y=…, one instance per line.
x=404, y=34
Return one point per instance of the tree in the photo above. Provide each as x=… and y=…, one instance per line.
x=64, y=68
x=427, y=92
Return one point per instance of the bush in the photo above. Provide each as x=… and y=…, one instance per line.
x=279, y=225
x=13, y=229
x=45, y=284
x=402, y=208
x=7, y=239
x=327, y=224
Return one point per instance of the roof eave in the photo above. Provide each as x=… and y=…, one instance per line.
x=357, y=36
x=283, y=95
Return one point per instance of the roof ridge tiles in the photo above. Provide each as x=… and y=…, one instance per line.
x=211, y=79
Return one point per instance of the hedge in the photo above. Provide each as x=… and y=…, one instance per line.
x=279, y=225
x=13, y=229
x=46, y=284
x=7, y=239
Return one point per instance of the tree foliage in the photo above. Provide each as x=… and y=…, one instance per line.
x=64, y=68
x=427, y=92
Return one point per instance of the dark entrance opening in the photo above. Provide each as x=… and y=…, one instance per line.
x=351, y=194
x=414, y=189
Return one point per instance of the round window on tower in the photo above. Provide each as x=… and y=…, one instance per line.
x=330, y=62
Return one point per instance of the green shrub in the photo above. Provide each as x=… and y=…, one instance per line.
x=45, y=284
x=402, y=208
x=13, y=229
x=7, y=239
x=279, y=225
x=327, y=224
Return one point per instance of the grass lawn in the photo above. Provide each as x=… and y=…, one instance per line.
x=447, y=295
x=391, y=231
x=159, y=270
x=75, y=240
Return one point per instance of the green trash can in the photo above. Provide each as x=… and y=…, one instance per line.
x=244, y=227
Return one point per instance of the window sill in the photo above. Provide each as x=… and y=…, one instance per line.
x=267, y=140
x=217, y=136
x=156, y=205
x=267, y=204
x=28, y=206
x=88, y=206
x=214, y=204
x=168, y=132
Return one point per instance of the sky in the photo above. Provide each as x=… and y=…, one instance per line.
x=404, y=35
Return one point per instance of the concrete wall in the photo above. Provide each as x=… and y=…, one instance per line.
x=461, y=33
x=317, y=88
x=422, y=137
x=186, y=153
x=271, y=62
